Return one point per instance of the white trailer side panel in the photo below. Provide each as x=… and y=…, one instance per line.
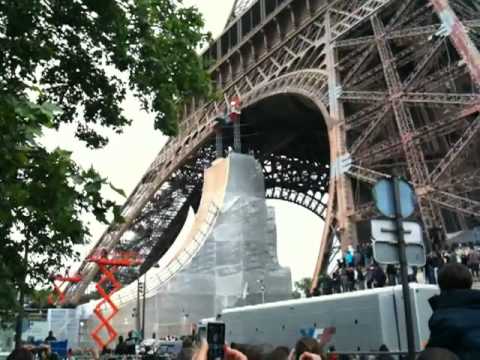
x=364, y=320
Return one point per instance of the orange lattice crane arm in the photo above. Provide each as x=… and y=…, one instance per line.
x=58, y=295
x=107, y=264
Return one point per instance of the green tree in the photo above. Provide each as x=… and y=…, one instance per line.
x=71, y=62
x=38, y=299
x=302, y=288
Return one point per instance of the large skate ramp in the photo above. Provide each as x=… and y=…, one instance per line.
x=185, y=248
x=227, y=257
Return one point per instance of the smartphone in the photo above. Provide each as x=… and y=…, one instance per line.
x=216, y=340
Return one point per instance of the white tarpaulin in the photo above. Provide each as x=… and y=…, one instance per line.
x=65, y=323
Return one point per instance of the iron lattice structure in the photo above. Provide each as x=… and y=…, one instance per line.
x=335, y=95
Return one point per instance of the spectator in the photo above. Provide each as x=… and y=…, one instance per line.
x=430, y=269
x=279, y=353
x=349, y=259
x=446, y=257
x=344, y=279
x=369, y=277
x=440, y=260
x=187, y=350
x=437, y=354
x=20, y=354
x=379, y=277
x=130, y=344
x=392, y=274
x=412, y=274
x=350, y=279
x=360, y=278
x=50, y=337
x=307, y=345
x=464, y=256
x=473, y=262
x=230, y=354
x=331, y=353
x=253, y=352
x=336, y=282
x=358, y=258
x=384, y=348
x=120, y=349
x=327, y=285
x=455, y=323
x=437, y=265
x=47, y=354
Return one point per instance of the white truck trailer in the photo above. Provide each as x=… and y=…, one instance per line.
x=364, y=320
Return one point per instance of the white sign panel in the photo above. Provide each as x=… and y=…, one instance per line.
x=385, y=231
x=385, y=249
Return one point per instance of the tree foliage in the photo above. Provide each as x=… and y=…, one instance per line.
x=73, y=62
x=302, y=288
x=84, y=54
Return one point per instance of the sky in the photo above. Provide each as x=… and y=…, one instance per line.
x=127, y=156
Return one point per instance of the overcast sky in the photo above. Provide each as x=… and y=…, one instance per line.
x=128, y=155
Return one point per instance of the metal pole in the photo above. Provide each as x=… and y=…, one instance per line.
x=144, y=303
x=404, y=272
x=137, y=312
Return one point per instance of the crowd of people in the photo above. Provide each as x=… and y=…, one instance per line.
x=357, y=270
x=454, y=329
x=40, y=351
x=454, y=325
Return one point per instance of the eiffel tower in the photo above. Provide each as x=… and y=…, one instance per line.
x=336, y=94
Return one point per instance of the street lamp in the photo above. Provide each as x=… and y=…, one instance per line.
x=144, y=299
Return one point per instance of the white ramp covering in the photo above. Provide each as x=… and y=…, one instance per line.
x=228, y=254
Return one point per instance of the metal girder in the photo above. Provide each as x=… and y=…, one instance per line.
x=424, y=64
x=342, y=66
x=456, y=203
x=413, y=153
x=440, y=77
x=360, y=118
x=363, y=96
x=360, y=63
x=414, y=16
x=366, y=175
x=401, y=58
x=365, y=212
x=456, y=150
x=408, y=32
x=461, y=183
x=373, y=127
x=349, y=20
x=399, y=14
x=441, y=98
x=459, y=37
x=443, y=126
